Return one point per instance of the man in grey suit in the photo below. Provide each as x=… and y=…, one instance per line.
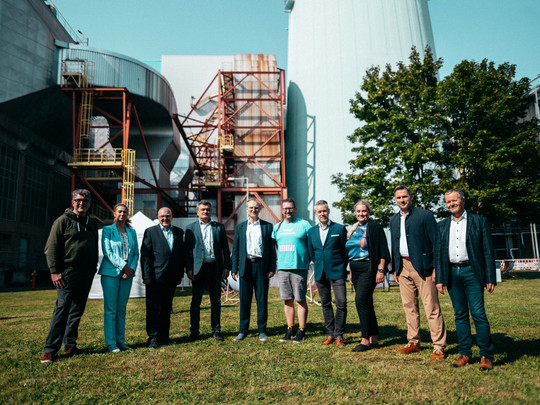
x=465, y=264
x=254, y=260
x=326, y=247
x=162, y=263
x=413, y=232
x=208, y=264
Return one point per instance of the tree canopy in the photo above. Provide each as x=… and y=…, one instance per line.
x=466, y=131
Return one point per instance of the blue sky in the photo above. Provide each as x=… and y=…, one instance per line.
x=499, y=30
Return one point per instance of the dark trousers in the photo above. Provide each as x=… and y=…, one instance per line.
x=467, y=294
x=208, y=278
x=69, y=308
x=364, y=285
x=159, y=299
x=334, y=326
x=254, y=279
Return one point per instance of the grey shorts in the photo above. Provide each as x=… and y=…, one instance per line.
x=292, y=284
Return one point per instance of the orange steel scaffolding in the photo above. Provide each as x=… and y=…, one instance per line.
x=242, y=134
x=100, y=164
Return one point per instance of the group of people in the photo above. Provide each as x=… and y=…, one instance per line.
x=426, y=257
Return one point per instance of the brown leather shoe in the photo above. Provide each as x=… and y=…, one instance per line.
x=486, y=364
x=410, y=348
x=339, y=341
x=329, y=340
x=462, y=361
x=438, y=354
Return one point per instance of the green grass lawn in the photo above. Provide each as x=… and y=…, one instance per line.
x=269, y=372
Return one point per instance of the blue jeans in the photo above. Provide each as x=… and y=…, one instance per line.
x=467, y=294
x=115, y=297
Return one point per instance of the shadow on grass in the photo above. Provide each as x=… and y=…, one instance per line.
x=509, y=350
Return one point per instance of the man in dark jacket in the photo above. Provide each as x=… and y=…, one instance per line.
x=413, y=232
x=72, y=256
x=326, y=247
x=162, y=263
x=465, y=263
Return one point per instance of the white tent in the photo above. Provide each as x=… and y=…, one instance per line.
x=139, y=222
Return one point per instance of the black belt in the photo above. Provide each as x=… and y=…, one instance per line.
x=461, y=264
x=254, y=259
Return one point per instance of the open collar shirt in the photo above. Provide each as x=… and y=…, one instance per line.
x=208, y=239
x=168, y=235
x=323, y=232
x=254, y=239
x=403, y=247
x=457, y=247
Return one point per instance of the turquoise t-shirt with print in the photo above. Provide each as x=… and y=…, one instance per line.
x=291, y=238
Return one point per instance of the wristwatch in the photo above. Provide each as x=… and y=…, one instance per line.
x=380, y=271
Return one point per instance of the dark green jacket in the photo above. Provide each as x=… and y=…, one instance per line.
x=73, y=242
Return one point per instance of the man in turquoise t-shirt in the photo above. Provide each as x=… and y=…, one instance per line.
x=293, y=263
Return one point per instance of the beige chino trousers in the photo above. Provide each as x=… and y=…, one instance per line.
x=410, y=285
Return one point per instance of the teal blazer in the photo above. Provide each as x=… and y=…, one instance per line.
x=112, y=263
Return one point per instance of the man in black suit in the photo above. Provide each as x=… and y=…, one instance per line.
x=326, y=246
x=465, y=263
x=208, y=264
x=413, y=232
x=254, y=260
x=162, y=263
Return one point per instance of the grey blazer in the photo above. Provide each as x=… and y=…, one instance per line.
x=195, y=247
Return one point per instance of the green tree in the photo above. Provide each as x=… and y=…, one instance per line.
x=466, y=131
x=495, y=153
x=399, y=140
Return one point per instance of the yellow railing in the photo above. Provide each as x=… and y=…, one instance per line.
x=93, y=157
x=128, y=181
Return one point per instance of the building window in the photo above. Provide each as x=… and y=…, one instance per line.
x=34, y=205
x=9, y=176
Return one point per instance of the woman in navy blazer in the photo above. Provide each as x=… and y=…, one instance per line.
x=368, y=257
x=120, y=256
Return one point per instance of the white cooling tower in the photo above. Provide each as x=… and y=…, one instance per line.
x=331, y=45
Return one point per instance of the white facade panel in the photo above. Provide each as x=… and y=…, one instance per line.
x=331, y=45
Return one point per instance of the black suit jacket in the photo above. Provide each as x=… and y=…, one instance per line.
x=479, y=250
x=195, y=247
x=331, y=258
x=158, y=262
x=239, y=252
x=420, y=227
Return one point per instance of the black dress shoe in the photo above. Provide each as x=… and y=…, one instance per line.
x=374, y=345
x=153, y=344
x=218, y=336
x=361, y=348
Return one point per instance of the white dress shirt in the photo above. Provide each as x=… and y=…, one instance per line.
x=323, y=232
x=254, y=240
x=457, y=246
x=403, y=247
x=206, y=230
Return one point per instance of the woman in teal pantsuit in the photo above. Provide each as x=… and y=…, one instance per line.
x=120, y=257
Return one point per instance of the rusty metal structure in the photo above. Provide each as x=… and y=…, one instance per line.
x=238, y=148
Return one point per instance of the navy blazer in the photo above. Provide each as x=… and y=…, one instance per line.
x=421, y=228
x=195, y=247
x=111, y=245
x=239, y=252
x=331, y=258
x=479, y=249
x=157, y=260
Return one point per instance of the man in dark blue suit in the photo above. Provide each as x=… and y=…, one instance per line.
x=413, y=233
x=465, y=263
x=162, y=263
x=209, y=261
x=254, y=260
x=326, y=246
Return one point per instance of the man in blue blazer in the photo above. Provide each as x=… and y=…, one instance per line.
x=209, y=261
x=254, y=260
x=465, y=263
x=326, y=246
x=162, y=263
x=413, y=232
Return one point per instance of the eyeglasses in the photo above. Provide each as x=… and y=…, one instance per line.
x=81, y=200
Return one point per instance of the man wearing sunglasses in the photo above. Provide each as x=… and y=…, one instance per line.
x=72, y=256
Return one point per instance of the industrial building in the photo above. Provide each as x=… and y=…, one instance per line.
x=209, y=127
